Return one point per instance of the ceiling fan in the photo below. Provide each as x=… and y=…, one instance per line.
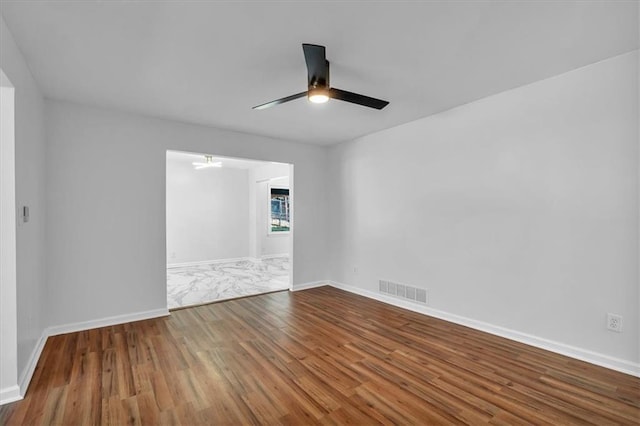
x=207, y=164
x=319, y=90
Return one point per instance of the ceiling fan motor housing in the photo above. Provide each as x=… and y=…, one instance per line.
x=318, y=91
x=320, y=80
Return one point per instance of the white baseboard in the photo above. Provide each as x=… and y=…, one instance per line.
x=307, y=286
x=104, y=322
x=208, y=262
x=624, y=366
x=273, y=256
x=10, y=394
x=30, y=368
x=231, y=260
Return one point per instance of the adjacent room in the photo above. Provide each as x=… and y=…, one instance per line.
x=320, y=212
x=229, y=223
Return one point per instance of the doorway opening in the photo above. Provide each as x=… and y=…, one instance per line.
x=9, y=389
x=229, y=227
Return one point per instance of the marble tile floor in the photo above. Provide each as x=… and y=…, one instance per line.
x=195, y=285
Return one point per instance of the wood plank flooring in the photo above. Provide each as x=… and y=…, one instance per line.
x=320, y=356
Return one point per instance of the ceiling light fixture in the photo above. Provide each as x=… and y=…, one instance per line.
x=318, y=95
x=207, y=164
x=319, y=90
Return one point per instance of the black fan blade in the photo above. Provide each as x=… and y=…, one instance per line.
x=281, y=100
x=317, y=65
x=355, y=98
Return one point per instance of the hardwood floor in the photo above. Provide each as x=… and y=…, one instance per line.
x=320, y=356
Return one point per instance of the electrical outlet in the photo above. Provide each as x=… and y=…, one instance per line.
x=614, y=322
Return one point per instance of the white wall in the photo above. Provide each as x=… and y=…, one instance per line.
x=30, y=191
x=207, y=212
x=519, y=210
x=106, y=206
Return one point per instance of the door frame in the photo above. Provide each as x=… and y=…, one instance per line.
x=9, y=388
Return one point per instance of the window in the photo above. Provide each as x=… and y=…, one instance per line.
x=279, y=210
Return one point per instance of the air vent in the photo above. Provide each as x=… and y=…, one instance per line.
x=403, y=291
x=410, y=293
x=391, y=288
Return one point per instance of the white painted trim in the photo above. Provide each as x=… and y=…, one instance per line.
x=279, y=234
x=104, y=322
x=8, y=247
x=273, y=178
x=586, y=355
x=273, y=256
x=208, y=262
x=10, y=394
x=307, y=286
x=292, y=211
x=30, y=368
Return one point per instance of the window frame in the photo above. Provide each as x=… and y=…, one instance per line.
x=270, y=232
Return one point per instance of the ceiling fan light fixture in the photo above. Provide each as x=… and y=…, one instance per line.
x=319, y=90
x=318, y=95
x=208, y=164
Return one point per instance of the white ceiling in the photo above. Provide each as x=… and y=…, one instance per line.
x=210, y=62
